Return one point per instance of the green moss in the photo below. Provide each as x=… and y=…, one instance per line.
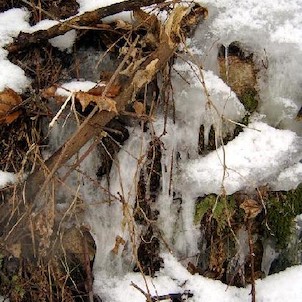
x=220, y=207
x=282, y=208
x=249, y=100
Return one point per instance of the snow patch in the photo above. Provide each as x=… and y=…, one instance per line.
x=7, y=178
x=252, y=159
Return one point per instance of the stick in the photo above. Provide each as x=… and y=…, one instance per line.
x=155, y=62
x=25, y=40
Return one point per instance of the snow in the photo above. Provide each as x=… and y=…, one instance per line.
x=94, y=4
x=7, y=178
x=91, y=5
x=64, y=42
x=193, y=108
x=74, y=86
x=11, y=23
x=174, y=278
x=250, y=160
x=288, y=179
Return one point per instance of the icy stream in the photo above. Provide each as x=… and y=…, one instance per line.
x=264, y=153
x=267, y=152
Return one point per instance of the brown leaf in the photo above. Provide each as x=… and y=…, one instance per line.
x=251, y=208
x=148, y=21
x=8, y=100
x=118, y=241
x=139, y=108
x=104, y=103
x=172, y=26
x=111, y=92
x=120, y=24
x=143, y=77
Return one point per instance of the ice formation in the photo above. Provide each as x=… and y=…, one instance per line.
x=267, y=152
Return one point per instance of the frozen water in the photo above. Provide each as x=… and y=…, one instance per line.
x=268, y=151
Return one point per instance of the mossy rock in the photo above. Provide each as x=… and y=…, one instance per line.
x=221, y=207
x=282, y=208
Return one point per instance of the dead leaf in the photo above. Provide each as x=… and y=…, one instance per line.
x=148, y=21
x=118, y=241
x=143, y=77
x=8, y=100
x=111, y=92
x=104, y=103
x=139, y=108
x=172, y=26
x=251, y=208
x=120, y=24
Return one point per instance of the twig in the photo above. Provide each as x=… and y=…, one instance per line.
x=252, y=260
x=51, y=124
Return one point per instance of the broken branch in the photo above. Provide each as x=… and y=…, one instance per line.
x=24, y=40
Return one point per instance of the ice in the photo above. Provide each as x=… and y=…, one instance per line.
x=262, y=28
x=194, y=108
x=252, y=159
x=113, y=213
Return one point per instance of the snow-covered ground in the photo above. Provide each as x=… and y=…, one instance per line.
x=268, y=151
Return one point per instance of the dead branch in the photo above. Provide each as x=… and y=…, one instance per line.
x=24, y=40
x=34, y=199
x=145, y=72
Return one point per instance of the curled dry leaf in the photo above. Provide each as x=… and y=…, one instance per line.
x=9, y=99
x=111, y=92
x=104, y=103
x=144, y=77
x=172, y=26
x=251, y=208
x=120, y=24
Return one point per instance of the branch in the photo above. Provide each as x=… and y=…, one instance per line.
x=25, y=40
